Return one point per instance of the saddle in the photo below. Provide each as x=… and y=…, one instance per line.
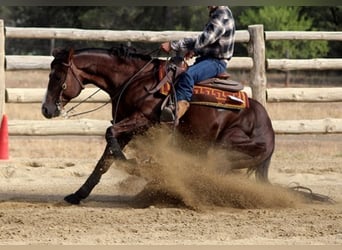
x=222, y=82
x=228, y=93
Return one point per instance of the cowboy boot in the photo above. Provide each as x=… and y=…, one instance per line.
x=167, y=114
x=183, y=106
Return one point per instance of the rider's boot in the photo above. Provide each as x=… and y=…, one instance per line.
x=183, y=106
x=167, y=114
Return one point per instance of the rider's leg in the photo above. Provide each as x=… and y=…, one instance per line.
x=202, y=69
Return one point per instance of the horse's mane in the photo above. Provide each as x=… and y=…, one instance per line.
x=126, y=51
x=120, y=51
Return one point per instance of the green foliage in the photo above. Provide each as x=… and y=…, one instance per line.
x=188, y=18
x=144, y=18
x=284, y=18
x=324, y=18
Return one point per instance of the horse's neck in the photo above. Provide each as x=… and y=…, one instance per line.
x=110, y=73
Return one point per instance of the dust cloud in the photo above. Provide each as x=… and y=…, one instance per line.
x=179, y=177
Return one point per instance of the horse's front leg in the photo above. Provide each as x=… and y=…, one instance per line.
x=117, y=137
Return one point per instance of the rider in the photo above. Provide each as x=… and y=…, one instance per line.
x=213, y=47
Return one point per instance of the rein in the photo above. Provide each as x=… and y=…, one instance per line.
x=65, y=114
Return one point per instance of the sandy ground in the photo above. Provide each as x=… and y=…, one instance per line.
x=189, y=205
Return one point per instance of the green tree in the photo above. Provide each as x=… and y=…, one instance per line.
x=275, y=18
x=327, y=18
x=188, y=18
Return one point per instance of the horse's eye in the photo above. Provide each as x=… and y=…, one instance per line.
x=55, y=77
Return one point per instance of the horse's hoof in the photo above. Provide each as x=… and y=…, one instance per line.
x=72, y=199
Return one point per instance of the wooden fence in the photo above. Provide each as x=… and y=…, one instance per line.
x=256, y=63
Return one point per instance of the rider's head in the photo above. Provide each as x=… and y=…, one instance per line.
x=212, y=8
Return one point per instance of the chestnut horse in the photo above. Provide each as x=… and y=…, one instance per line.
x=127, y=77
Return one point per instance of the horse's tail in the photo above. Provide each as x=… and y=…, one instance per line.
x=263, y=139
x=261, y=170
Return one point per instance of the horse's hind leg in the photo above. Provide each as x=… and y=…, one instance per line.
x=257, y=154
x=112, y=152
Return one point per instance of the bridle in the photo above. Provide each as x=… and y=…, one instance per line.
x=64, y=85
x=118, y=95
x=69, y=66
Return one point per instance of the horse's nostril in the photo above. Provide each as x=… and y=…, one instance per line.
x=45, y=112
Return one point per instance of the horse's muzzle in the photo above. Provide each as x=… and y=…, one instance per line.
x=50, y=111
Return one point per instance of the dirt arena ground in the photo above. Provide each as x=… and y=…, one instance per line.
x=189, y=203
x=123, y=210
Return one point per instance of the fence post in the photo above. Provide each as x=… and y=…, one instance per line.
x=256, y=50
x=2, y=68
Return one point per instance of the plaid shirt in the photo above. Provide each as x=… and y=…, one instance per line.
x=217, y=38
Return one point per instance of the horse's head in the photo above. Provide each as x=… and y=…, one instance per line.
x=64, y=83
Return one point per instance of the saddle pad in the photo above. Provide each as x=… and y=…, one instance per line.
x=224, y=99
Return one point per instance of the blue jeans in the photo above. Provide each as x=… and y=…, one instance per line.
x=204, y=68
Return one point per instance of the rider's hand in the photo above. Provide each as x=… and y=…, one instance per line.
x=190, y=54
x=166, y=47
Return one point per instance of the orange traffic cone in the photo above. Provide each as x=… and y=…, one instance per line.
x=4, y=138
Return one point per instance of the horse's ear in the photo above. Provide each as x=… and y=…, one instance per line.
x=58, y=51
x=71, y=53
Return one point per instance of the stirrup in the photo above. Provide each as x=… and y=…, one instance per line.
x=167, y=115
